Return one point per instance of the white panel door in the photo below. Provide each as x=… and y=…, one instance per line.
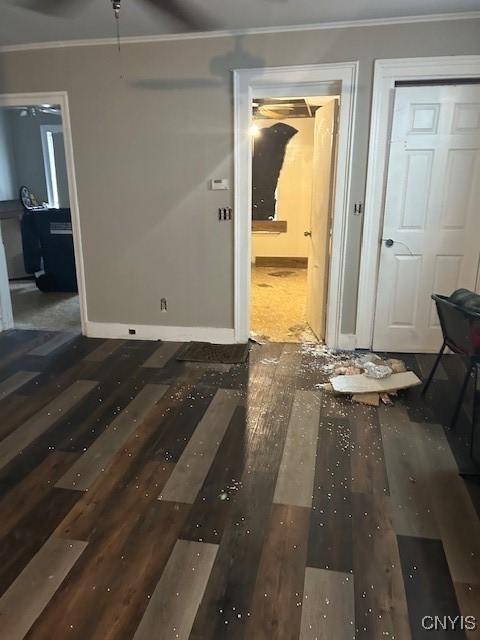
x=431, y=212
x=321, y=214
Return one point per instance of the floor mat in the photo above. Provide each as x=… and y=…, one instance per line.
x=206, y=352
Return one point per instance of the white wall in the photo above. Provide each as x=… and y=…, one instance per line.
x=27, y=146
x=294, y=194
x=147, y=144
x=8, y=181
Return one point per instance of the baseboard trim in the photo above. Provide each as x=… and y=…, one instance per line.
x=281, y=261
x=159, y=332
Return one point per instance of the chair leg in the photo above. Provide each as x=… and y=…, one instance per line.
x=460, y=399
x=474, y=412
x=434, y=368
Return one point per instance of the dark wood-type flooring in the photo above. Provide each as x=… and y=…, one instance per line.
x=145, y=498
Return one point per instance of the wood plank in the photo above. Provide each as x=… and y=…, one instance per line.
x=228, y=595
x=274, y=226
x=297, y=469
x=380, y=602
x=93, y=512
x=102, y=508
x=31, y=531
x=26, y=598
x=216, y=500
x=118, y=571
x=362, y=384
x=162, y=355
x=408, y=473
x=428, y=584
x=197, y=457
x=175, y=601
x=58, y=340
x=330, y=540
x=77, y=424
x=23, y=497
x=275, y=610
x=15, y=382
x=105, y=350
x=468, y=598
x=372, y=399
x=451, y=504
x=328, y=609
x=56, y=375
x=19, y=439
x=112, y=395
x=180, y=424
x=88, y=467
x=369, y=473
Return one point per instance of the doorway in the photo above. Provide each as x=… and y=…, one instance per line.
x=41, y=283
x=276, y=83
x=293, y=162
x=431, y=224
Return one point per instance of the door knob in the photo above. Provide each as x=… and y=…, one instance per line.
x=307, y=233
x=389, y=242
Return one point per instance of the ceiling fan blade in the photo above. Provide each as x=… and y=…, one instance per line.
x=53, y=7
x=188, y=16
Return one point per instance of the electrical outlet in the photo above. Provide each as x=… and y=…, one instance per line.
x=163, y=304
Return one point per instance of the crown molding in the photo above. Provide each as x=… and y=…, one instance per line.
x=197, y=35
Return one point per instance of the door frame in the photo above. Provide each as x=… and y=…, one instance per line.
x=60, y=98
x=386, y=74
x=303, y=80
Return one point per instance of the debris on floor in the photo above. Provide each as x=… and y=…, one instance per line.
x=377, y=371
x=372, y=399
x=397, y=366
x=361, y=383
x=367, y=378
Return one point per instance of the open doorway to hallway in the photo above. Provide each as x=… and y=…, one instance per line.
x=293, y=172
x=35, y=219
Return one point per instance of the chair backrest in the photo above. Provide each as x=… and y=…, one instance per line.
x=460, y=326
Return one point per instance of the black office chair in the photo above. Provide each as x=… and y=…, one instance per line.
x=460, y=325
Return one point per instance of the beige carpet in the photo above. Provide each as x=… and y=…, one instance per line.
x=33, y=309
x=279, y=297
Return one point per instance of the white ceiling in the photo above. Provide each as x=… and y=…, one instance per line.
x=95, y=19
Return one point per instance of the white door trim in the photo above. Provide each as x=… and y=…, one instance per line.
x=60, y=98
x=316, y=79
x=387, y=72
